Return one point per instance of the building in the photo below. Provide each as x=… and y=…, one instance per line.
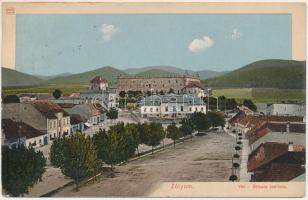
x=14, y=133
x=282, y=109
x=87, y=111
x=77, y=123
x=277, y=162
x=194, y=88
x=42, y=115
x=280, y=132
x=99, y=83
x=155, y=84
x=171, y=106
x=100, y=92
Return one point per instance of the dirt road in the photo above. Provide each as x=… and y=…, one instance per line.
x=205, y=159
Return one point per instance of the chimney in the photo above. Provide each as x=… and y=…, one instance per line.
x=290, y=147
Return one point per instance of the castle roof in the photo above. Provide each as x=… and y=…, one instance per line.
x=98, y=79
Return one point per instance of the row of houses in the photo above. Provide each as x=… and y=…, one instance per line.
x=38, y=122
x=276, y=145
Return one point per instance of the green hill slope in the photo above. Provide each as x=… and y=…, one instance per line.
x=284, y=74
x=156, y=73
x=108, y=73
x=12, y=77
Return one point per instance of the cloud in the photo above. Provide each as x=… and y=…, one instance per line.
x=200, y=44
x=236, y=34
x=108, y=31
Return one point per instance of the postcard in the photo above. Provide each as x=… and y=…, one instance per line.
x=139, y=99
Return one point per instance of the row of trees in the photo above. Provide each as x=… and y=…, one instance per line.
x=79, y=156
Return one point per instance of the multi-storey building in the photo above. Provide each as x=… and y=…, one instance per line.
x=44, y=116
x=155, y=84
x=171, y=106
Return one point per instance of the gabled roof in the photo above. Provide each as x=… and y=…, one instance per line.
x=237, y=117
x=48, y=109
x=13, y=130
x=268, y=152
x=77, y=119
x=193, y=84
x=98, y=79
x=281, y=172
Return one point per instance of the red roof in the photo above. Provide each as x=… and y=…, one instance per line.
x=98, y=79
x=267, y=152
x=13, y=130
x=194, y=84
x=280, y=172
x=48, y=109
x=237, y=117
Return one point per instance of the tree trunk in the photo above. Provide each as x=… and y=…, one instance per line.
x=77, y=185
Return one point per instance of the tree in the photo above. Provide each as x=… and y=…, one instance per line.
x=200, y=121
x=22, y=167
x=57, y=93
x=56, y=154
x=249, y=104
x=122, y=94
x=222, y=102
x=161, y=92
x=132, y=130
x=173, y=132
x=231, y=104
x=155, y=135
x=215, y=119
x=187, y=127
x=112, y=114
x=171, y=91
x=80, y=157
x=115, y=146
x=11, y=99
x=148, y=93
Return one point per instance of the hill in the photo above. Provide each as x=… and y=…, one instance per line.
x=156, y=73
x=283, y=74
x=109, y=73
x=12, y=77
x=204, y=74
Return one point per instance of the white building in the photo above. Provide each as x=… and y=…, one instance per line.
x=282, y=109
x=171, y=106
x=14, y=133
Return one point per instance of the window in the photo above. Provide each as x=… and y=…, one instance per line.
x=156, y=109
x=174, y=108
x=201, y=108
x=189, y=109
x=166, y=108
x=145, y=109
x=196, y=109
x=151, y=109
x=182, y=108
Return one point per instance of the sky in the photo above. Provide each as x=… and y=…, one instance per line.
x=49, y=44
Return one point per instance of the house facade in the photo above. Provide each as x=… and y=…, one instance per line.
x=14, y=133
x=41, y=115
x=171, y=106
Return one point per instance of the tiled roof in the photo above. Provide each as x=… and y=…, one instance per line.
x=237, y=117
x=98, y=79
x=48, y=109
x=268, y=127
x=76, y=119
x=193, y=84
x=13, y=130
x=269, y=151
x=66, y=105
x=280, y=172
